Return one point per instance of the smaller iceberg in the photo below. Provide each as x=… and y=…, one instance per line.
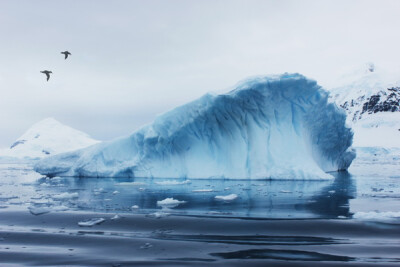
x=46, y=138
x=279, y=126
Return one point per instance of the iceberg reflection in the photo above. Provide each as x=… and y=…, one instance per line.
x=216, y=197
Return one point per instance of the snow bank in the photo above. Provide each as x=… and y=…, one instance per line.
x=268, y=127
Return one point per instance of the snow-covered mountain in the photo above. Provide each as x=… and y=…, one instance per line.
x=371, y=99
x=276, y=126
x=47, y=137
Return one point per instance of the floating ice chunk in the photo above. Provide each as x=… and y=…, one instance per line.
x=135, y=207
x=169, y=203
x=285, y=191
x=65, y=195
x=91, y=222
x=39, y=210
x=43, y=210
x=174, y=182
x=158, y=214
x=115, y=192
x=202, y=190
x=116, y=217
x=146, y=246
x=227, y=198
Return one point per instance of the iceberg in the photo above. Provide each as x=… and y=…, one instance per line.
x=279, y=126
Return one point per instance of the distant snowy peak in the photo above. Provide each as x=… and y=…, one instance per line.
x=372, y=104
x=386, y=100
x=47, y=137
x=368, y=92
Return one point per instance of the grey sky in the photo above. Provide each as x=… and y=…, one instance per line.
x=134, y=59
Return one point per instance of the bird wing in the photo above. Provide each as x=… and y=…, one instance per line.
x=48, y=75
x=66, y=55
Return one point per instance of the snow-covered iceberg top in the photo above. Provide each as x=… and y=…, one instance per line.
x=268, y=127
x=45, y=138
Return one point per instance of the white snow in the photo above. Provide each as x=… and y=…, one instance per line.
x=45, y=138
x=378, y=130
x=268, y=127
x=91, y=222
x=373, y=215
x=227, y=198
x=169, y=203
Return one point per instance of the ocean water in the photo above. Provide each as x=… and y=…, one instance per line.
x=350, y=220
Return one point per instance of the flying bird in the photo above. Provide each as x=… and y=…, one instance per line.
x=47, y=72
x=66, y=54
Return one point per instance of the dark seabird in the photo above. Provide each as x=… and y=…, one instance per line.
x=66, y=53
x=47, y=72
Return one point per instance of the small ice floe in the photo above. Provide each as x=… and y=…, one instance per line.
x=202, y=190
x=227, y=188
x=131, y=183
x=146, y=246
x=341, y=217
x=173, y=182
x=227, y=198
x=43, y=210
x=332, y=192
x=169, y=203
x=91, y=222
x=39, y=210
x=99, y=190
x=116, y=217
x=158, y=214
x=285, y=191
x=135, y=207
x=65, y=195
x=115, y=192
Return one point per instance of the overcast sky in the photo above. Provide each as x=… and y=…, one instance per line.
x=132, y=60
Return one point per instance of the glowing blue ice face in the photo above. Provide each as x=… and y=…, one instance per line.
x=269, y=127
